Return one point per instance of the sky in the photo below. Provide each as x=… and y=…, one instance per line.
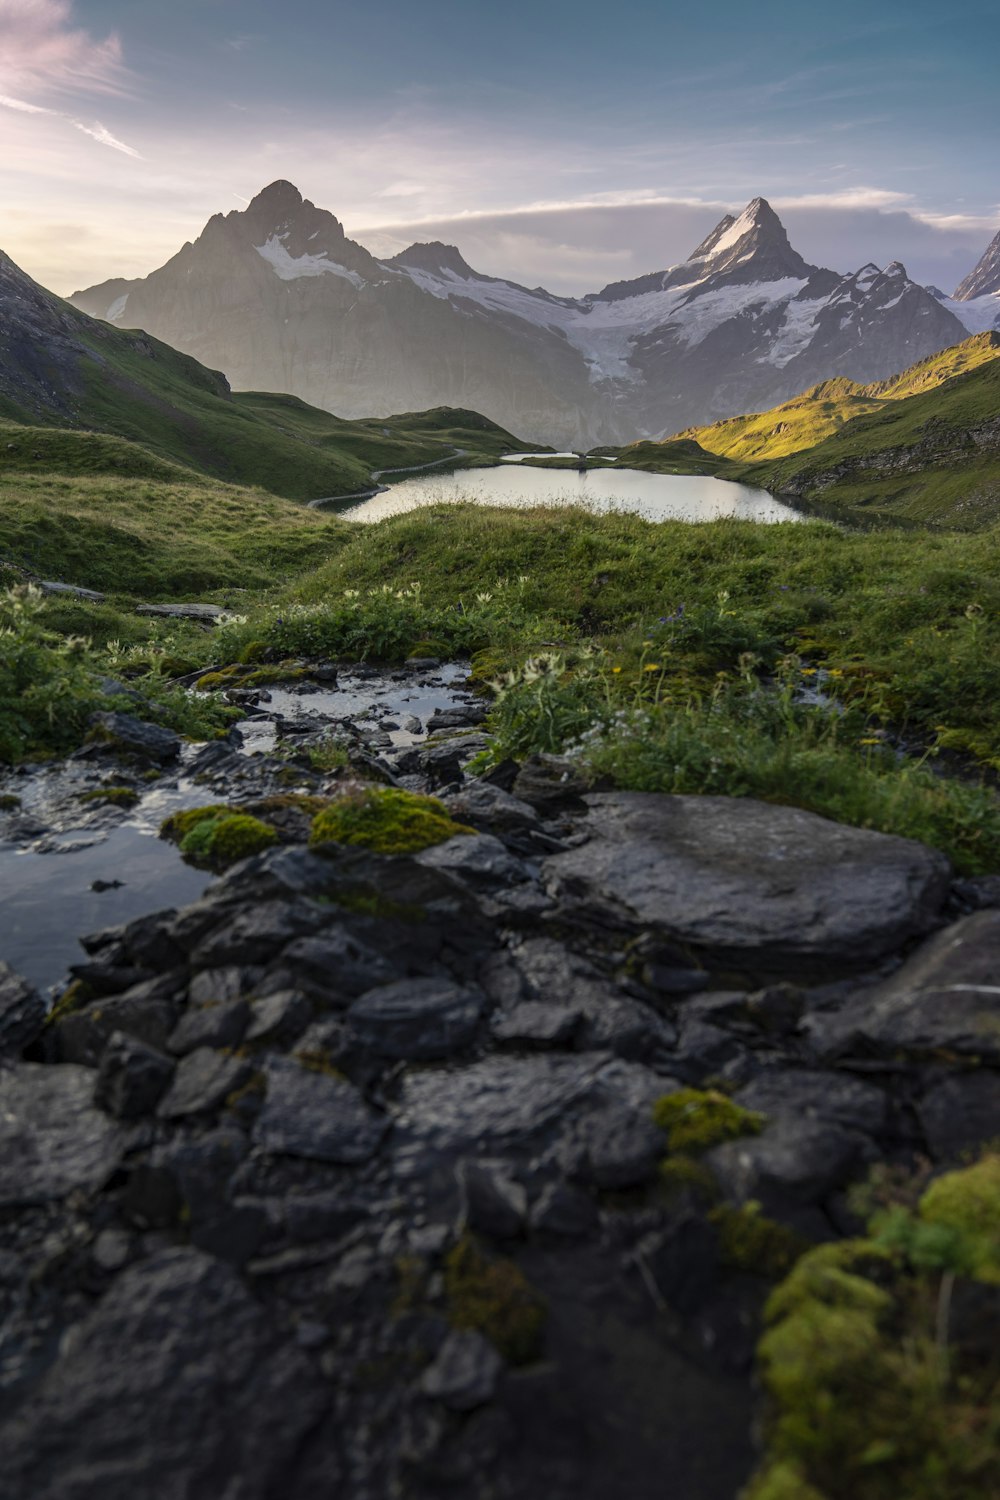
x=557, y=143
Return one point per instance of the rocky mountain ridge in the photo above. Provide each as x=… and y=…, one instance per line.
x=281, y=299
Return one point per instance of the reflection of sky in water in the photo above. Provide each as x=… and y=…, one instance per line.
x=658, y=497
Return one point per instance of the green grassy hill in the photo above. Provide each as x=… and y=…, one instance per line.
x=62, y=370
x=921, y=446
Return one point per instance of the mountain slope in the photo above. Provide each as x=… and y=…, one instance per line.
x=825, y=408
x=984, y=278
x=281, y=299
x=60, y=368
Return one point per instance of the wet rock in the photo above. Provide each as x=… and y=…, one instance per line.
x=113, y=1415
x=203, y=1081
x=550, y=785
x=92, y=597
x=279, y=1018
x=480, y=802
x=315, y=1116
x=22, y=1012
x=960, y=1113
x=772, y=889
x=132, y=1077
x=125, y=732
x=564, y=1211
x=793, y=1161
x=112, y=1249
x=465, y=1373
x=801, y=1094
x=617, y=1147
x=493, y=1202
x=310, y=1217
x=202, y=1169
x=503, y=1102
x=336, y=966
x=944, y=999
x=218, y=986
x=535, y=1023
x=256, y=933
x=81, y=1036
x=776, y=1009
x=417, y=1018
x=458, y=717
x=210, y=1026
x=53, y=1138
x=480, y=859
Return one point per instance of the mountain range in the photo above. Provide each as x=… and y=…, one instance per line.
x=280, y=298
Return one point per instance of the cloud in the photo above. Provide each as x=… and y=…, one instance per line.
x=42, y=52
x=101, y=133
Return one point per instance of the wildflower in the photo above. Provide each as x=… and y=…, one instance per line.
x=835, y=672
x=352, y=593
x=809, y=671
x=652, y=666
x=648, y=643
x=616, y=669
x=870, y=740
x=483, y=598
x=973, y=611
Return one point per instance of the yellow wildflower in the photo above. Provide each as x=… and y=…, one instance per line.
x=651, y=666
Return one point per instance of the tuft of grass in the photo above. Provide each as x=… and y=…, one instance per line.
x=494, y=1297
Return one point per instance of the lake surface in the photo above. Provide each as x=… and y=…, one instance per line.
x=658, y=497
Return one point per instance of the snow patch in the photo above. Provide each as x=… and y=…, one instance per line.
x=293, y=268
x=117, y=309
x=980, y=315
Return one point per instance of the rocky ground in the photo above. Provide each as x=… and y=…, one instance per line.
x=344, y=1179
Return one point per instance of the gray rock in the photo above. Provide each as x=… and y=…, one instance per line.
x=945, y=998
x=482, y=802
x=53, y=1138
x=203, y=1081
x=256, y=933
x=549, y=784
x=797, y=1161
x=465, y=1373
x=478, y=858
x=534, y=1023
x=960, y=1113
x=506, y=1102
x=493, y=1202
x=22, y=1012
x=132, y=1077
x=126, y=732
x=90, y=595
x=217, y=986
x=315, y=1116
x=770, y=888
x=836, y=1098
x=280, y=1017
x=617, y=1147
x=82, y=1036
x=174, y=1380
x=417, y=1018
x=337, y=967
x=207, y=613
x=564, y=1211
x=210, y=1026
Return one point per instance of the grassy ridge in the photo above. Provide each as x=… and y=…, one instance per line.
x=923, y=446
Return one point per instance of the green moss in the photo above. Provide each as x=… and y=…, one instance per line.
x=9, y=803
x=967, y=1203
x=494, y=1297
x=118, y=796
x=685, y=1174
x=73, y=998
x=366, y=901
x=748, y=1241
x=222, y=840
x=873, y=1396
x=386, y=820
x=179, y=824
x=696, y=1119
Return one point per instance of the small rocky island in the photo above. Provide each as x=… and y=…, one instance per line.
x=454, y=1140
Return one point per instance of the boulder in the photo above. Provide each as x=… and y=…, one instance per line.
x=750, y=885
x=126, y=732
x=53, y=1138
x=172, y=1382
x=316, y=1116
x=417, y=1018
x=22, y=1012
x=465, y=1373
x=132, y=1077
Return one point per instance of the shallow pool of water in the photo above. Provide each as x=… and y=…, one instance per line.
x=658, y=497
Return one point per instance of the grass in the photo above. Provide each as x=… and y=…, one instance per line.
x=920, y=447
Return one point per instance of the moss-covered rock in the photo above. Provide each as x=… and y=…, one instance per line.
x=386, y=820
x=115, y=796
x=749, y=1241
x=494, y=1297
x=217, y=836
x=697, y=1119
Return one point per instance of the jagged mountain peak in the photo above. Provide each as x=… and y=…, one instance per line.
x=437, y=258
x=277, y=197
x=985, y=276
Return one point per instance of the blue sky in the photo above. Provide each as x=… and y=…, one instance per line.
x=560, y=141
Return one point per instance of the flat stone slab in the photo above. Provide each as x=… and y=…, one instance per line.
x=73, y=591
x=53, y=1138
x=316, y=1116
x=773, y=888
x=945, y=1000
x=209, y=612
x=417, y=1018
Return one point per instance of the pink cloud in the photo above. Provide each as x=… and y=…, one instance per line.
x=42, y=52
